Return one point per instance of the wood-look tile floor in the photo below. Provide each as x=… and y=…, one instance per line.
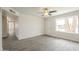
x=43, y=43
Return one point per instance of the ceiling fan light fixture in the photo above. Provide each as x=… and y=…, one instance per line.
x=45, y=12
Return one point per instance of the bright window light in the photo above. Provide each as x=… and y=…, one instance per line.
x=69, y=24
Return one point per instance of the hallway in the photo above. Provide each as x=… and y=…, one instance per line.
x=8, y=29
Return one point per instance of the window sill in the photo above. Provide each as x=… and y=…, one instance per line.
x=67, y=32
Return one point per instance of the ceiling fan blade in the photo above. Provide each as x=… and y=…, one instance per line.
x=50, y=14
x=52, y=11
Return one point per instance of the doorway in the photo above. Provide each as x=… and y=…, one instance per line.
x=8, y=29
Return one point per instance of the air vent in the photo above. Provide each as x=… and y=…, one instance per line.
x=12, y=11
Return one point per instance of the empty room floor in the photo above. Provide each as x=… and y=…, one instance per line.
x=44, y=43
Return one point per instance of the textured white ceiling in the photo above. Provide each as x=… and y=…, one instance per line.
x=37, y=10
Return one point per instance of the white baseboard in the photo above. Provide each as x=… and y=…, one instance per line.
x=62, y=38
x=20, y=38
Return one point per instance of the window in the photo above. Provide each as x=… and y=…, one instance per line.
x=60, y=25
x=69, y=24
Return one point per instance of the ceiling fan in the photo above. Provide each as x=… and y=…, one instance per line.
x=47, y=12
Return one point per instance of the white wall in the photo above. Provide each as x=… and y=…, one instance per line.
x=51, y=30
x=0, y=29
x=30, y=26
